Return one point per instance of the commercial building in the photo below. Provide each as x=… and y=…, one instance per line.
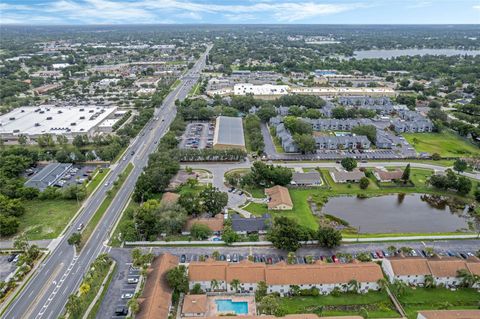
x=260, y=90
x=278, y=198
x=67, y=121
x=48, y=176
x=156, y=298
x=47, y=88
x=228, y=133
x=443, y=270
x=280, y=277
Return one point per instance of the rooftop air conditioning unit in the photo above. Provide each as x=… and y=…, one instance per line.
x=12, y=119
x=49, y=118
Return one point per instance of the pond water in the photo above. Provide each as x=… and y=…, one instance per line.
x=387, y=54
x=400, y=213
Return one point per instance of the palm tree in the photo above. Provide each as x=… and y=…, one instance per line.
x=214, y=284
x=400, y=287
x=235, y=284
x=382, y=284
x=291, y=258
x=353, y=285
x=392, y=250
x=430, y=281
x=84, y=288
x=215, y=255
x=73, y=305
x=468, y=279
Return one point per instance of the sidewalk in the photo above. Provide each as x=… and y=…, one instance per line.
x=8, y=244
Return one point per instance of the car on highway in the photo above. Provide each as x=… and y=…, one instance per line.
x=121, y=311
x=127, y=295
x=80, y=227
x=132, y=152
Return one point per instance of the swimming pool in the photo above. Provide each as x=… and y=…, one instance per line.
x=227, y=305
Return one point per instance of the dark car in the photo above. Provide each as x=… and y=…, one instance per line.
x=11, y=258
x=121, y=311
x=183, y=259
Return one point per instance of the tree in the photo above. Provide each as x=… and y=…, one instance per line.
x=75, y=239
x=73, y=305
x=229, y=235
x=382, y=284
x=261, y=291
x=84, y=288
x=469, y=279
x=177, y=279
x=364, y=182
x=364, y=313
x=353, y=285
x=291, y=258
x=62, y=140
x=286, y=234
x=266, y=112
x=460, y=165
x=235, y=285
x=369, y=131
x=200, y=231
x=8, y=225
x=269, y=305
x=197, y=289
x=22, y=139
x=429, y=281
x=305, y=143
x=214, y=284
x=329, y=237
x=134, y=305
x=349, y=163
x=213, y=200
x=399, y=287
x=464, y=185
x=392, y=250
x=406, y=174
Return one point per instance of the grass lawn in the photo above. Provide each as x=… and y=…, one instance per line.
x=436, y=298
x=45, y=219
x=446, y=144
x=97, y=180
x=301, y=211
x=124, y=218
x=377, y=304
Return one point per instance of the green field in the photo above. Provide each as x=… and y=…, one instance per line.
x=301, y=211
x=45, y=219
x=376, y=303
x=446, y=144
x=437, y=298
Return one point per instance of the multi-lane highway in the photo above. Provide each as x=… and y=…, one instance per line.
x=47, y=292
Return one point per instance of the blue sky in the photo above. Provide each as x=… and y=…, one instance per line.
x=47, y=12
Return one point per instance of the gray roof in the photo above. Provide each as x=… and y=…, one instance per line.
x=312, y=177
x=354, y=175
x=48, y=176
x=241, y=224
x=229, y=130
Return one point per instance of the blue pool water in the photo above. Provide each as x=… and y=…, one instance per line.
x=227, y=305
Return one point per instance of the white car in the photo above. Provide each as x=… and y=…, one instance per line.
x=132, y=280
x=127, y=296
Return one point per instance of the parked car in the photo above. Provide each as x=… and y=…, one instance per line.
x=379, y=254
x=235, y=258
x=183, y=259
x=127, y=296
x=132, y=280
x=228, y=258
x=11, y=257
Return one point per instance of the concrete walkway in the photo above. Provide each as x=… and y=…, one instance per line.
x=8, y=244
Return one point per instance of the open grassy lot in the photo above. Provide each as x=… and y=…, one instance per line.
x=301, y=211
x=437, y=298
x=446, y=144
x=45, y=219
x=377, y=304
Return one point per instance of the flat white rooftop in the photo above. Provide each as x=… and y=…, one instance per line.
x=34, y=121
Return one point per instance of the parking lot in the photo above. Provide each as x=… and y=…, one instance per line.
x=198, y=135
x=6, y=267
x=76, y=174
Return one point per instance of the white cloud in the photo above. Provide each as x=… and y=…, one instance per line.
x=476, y=7
x=150, y=11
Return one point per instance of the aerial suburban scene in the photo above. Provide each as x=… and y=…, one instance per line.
x=208, y=159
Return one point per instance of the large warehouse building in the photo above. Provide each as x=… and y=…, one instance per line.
x=68, y=121
x=228, y=133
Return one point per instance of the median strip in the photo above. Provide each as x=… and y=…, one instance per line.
x=87, y=232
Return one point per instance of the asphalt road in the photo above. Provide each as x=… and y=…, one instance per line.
x=47, y=292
